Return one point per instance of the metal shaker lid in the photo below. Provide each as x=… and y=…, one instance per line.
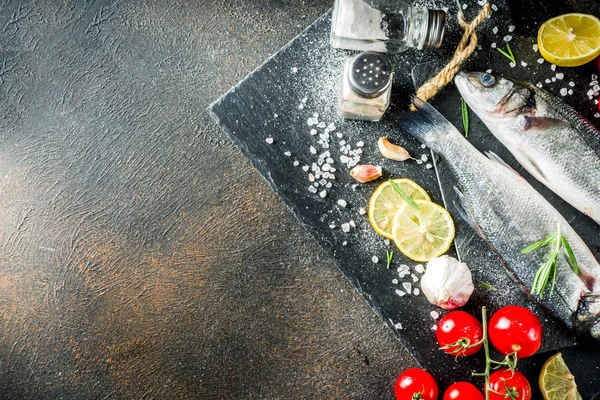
x=370, y=74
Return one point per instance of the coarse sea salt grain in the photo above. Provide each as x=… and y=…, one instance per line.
x=323, y=193
x=597, y=115
x=419, y=268
x=563, y=91
x=416, y=291
x=539, y=84
x=362, y=211
x=375, y=259
x=572, y=84
x=296, y=163
x=428, y=166
x=570, y=91
x=489, y=71
x=424, y=157
x=346, y=228
x=535, y=48
x=269, y=140
x=300, y=106
x=507, y=38
x=540, y=60
x=294, y=70
x=305, y=168
x=523, y=63
x=553, y=67
x=553, y=79
x=512, y=64
x=495, y=30
x=313, y=132
x=398, y=326
x=407, y=286
x=511, y=28
x=423, y=146
x=400, y=292
x=493, y=45
x=287, y=153
x=342, y=202
x=395, y=281
x=547, y=80
x=414, y=277
x=560, y=75
x=494, y=7
x=434, y=314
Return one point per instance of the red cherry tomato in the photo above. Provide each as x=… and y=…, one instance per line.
x=515, y=329
x=463, y=391
x=414, y=382
x=505, y=382
x=458, y=330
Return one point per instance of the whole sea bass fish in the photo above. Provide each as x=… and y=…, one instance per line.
x=510, y=215
x=559, y=147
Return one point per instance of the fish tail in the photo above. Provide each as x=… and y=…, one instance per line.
x=426, y=124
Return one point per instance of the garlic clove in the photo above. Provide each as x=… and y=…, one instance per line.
x=366, y=173
x=392, y=151
x=447, y=282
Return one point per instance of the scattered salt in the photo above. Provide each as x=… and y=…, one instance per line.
x=398, y=326
x=495, y=30
x=494, y=45
x=434, y=314
x=345, y=243
x=296, y=163
x=539, y=84
x=547, y=80
x=423, y=146
x=494, y=7
x=403, y=267
x=305, y=168
x=511, y=28
x=301, y=106
x=362, y=211
x=400, y=293
x=597, y=115
x=428, y=166
x=332, y=225
x=375, y=259
x=434, y=328
x=419, y=161
x=342, y=202
x=424, y=157
x=407, y=286
x=419, y=268
x=414, y=277
x=312, y=189
x=395, y=281
x=269, y=140
x=321, y=125
x=523, y=63
x=287, y=153
x=464, y=6
x=553, y=79
x=572, y=84
x=553, y=67
x=512, y=64
x=360, y=144
x=416, y=291
x=294, y=70
x=275, y=115
x=507, y=38
x=323, y=193
x=313, y=150
x=489, y=71
x=346, y=228
x=313, y=132
x=540, y=60
x=563, y=91
x=535, y=48
x=570, y=91
x=304, y=99
x=560, y=75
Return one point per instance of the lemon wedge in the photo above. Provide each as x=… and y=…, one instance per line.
x=556, y=381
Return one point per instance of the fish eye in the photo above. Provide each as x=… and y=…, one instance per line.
x=487, y=80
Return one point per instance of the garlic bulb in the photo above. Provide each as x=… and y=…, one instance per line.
x=447, y=282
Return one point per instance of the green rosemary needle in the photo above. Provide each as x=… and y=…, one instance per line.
x=390, y=255
x=404, y=196
x=508, y=53
x=465, y=115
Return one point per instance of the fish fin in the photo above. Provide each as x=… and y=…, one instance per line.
x=535, y=170
x=496, y=158
x=425, y=123
x=542, y=123
x=460, y=207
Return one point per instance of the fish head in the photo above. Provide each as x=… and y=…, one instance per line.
x=494, y=98
x=587, y=318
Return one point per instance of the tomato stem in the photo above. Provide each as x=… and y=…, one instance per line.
x=486, y=349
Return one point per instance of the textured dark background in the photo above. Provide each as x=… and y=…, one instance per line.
x=141, y=256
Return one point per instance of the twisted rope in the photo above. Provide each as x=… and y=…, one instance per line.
x=466, y=47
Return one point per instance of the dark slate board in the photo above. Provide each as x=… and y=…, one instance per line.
x=276, y=102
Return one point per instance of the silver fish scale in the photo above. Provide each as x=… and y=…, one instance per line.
x=510, y=215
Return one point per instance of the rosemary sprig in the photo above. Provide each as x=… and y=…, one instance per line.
x=547, y=270
x=390, y=255
x=404, y=196
x=465, y=115
x=508, y=53
x=486, y=285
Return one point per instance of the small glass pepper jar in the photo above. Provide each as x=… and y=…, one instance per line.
x=388, y=26
x=365, y=87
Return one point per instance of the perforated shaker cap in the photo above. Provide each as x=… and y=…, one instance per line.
x=370, y=73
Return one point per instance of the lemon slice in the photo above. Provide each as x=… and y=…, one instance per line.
x=570, y=40
x=556, y=381
x=423, y=234
x=386, y=202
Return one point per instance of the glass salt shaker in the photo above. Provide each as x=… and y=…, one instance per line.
x=387, y=26
x=366, y=85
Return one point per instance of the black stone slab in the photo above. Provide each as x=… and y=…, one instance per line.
x=276, y=101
